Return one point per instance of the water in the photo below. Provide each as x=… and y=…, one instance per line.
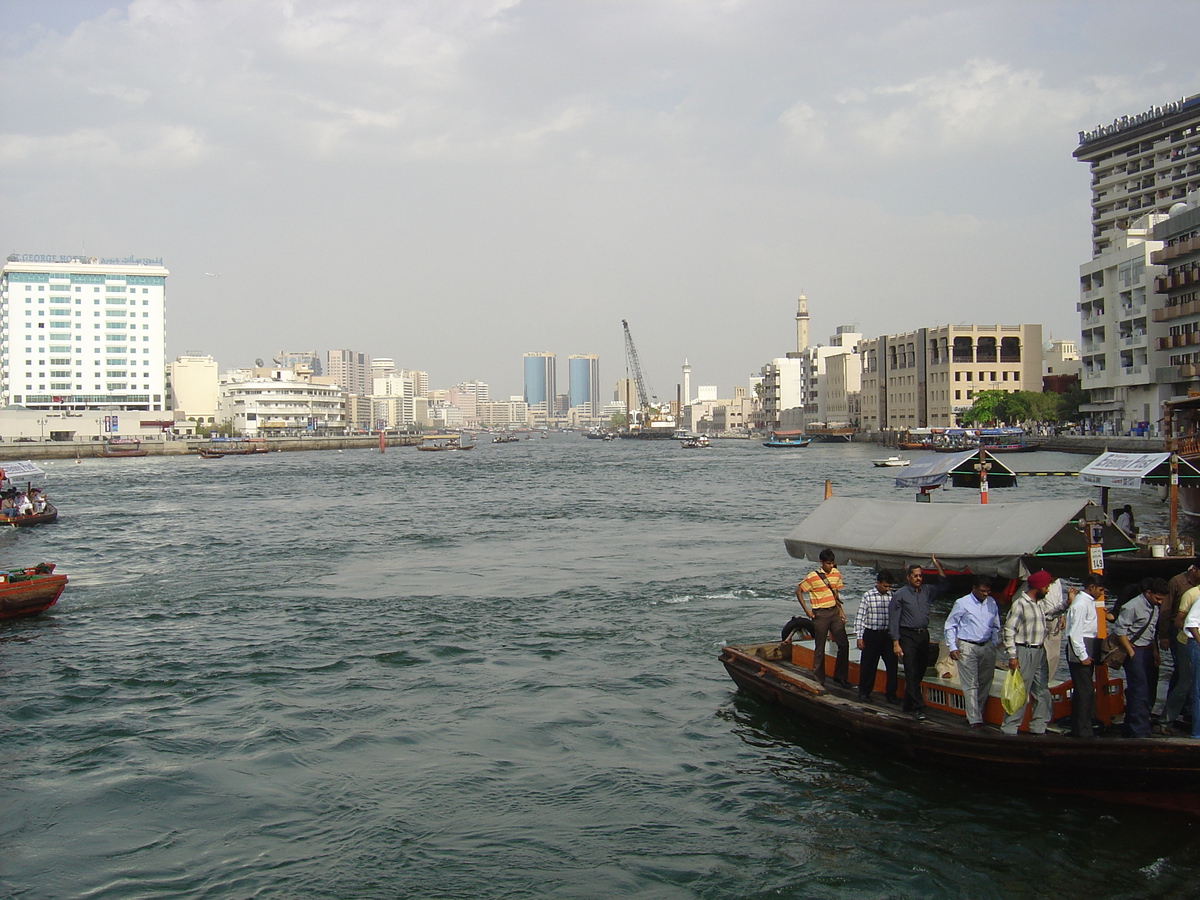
x=484, y=674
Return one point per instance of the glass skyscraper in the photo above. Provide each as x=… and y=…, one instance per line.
x=583, y=371
x=540, y=383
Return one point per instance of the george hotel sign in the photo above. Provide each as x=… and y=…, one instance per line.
x=1119, y=125
x=86, y=260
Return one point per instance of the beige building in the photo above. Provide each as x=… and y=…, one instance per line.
x=194, y=387
x=265, y=402
x=927, y=378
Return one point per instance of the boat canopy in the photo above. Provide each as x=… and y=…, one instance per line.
x=1001, y=539
x=932, y=469
x=1129, y=470
x=19, y=470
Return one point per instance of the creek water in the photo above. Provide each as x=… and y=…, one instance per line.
x=482, y=674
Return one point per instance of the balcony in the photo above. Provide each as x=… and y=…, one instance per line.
x=1166, y=313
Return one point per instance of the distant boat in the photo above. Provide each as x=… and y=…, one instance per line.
x=890, y=461
x=787, y=439
x=218, y=447
x=695, y=442
x=443, y=442
x=116, y=447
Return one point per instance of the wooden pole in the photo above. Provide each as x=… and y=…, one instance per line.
x=1174, y=496
x=828, y=488
x=381, y=442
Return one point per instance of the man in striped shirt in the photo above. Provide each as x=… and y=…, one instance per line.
x=874, y=639
x=1024, y=641
x=823, y=588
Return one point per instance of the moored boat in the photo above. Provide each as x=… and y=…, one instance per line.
x=27, y=592
x=780, y=440
x=121, y=447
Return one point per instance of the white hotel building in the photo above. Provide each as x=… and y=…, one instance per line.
x=82, y=333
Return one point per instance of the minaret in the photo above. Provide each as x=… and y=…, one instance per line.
x=802, y=324
x=687, y=383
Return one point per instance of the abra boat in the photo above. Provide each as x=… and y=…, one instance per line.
x=891, y=462
x=218, y=447
x=27, y=592
x=781, y=440
x=1162, y=772
x=43, y=511
x=118, y=447
x=443, y=442
x=695, y=442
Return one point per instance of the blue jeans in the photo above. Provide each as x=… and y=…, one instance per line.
x=1193, y=650
x=1139, y=675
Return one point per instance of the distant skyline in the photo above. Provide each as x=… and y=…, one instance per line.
x=454, y=184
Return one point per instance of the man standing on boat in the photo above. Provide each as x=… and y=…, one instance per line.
x=1024, y=640
x=1135, y=630
x=908, y=622
x=972, y=633
x=823, y=587
x=1081, y=653
x=871, y=626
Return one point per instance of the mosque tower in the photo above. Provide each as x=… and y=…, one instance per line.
x=687, y=383
x=802, y=324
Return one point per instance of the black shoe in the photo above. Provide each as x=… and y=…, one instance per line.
x=895, y=701
x=919, y=716
x=864, y=698
x=842, y=683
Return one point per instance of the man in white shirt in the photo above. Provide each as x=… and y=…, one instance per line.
x=1081, y=653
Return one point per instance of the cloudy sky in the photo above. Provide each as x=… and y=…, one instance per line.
x=455, y=182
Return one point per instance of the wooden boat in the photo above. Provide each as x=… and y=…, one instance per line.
x=443, y=442
x=787, y=439
x=119, y=447
x=48, y=515
x=891, y=462
x=1161, y=772
x=695, y=442
x=507, y=439
x=14, y=471
x=218, y=447
x=27, y=592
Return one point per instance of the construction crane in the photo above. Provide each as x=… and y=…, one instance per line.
x=646, y=398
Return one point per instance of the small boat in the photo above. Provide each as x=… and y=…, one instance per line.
x=40, y=511
x=443, y=442
x=695, y=442
x=218, y=447
x=787, y=440
x=890, y=462
x=506, y=438
x=1159, y=772
x=27, y=592
x=119, y=447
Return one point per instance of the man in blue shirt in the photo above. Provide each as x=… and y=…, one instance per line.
x=972, y=632
x=1134, y=628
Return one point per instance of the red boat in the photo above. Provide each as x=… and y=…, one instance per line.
x=27, y=592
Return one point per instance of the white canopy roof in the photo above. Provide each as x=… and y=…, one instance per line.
x=1121, y=470
x=987, y=539
x=20, y=470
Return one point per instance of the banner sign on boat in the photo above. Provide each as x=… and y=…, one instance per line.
x=1121, y=470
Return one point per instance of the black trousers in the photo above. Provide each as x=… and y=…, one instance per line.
x=877, y=645
x=914, y=647
x=1083, y=698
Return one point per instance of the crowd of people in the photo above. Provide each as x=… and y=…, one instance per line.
x=15, y=502
x=892, y=624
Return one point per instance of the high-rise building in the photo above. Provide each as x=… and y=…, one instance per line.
x=351, y=370
x=83, y=333
x=583, y=372
x=540, y=383
x=1141, y=164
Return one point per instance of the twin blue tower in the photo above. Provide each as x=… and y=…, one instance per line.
x=583, y=391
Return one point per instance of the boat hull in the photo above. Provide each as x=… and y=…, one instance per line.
x=47, y=516
x=1156, y=772
x=30, y=592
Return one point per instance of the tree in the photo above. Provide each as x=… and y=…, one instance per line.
x=986, y=408
x=618, y=420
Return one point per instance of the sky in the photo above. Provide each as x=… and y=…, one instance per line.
x=453, y=183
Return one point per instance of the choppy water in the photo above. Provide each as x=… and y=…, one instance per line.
x=485, y=674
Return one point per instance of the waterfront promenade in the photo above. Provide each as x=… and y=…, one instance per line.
x=184, y=447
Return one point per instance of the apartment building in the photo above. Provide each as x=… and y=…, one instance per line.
x=1140, y=164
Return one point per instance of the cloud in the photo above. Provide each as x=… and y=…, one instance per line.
x=141, y=149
